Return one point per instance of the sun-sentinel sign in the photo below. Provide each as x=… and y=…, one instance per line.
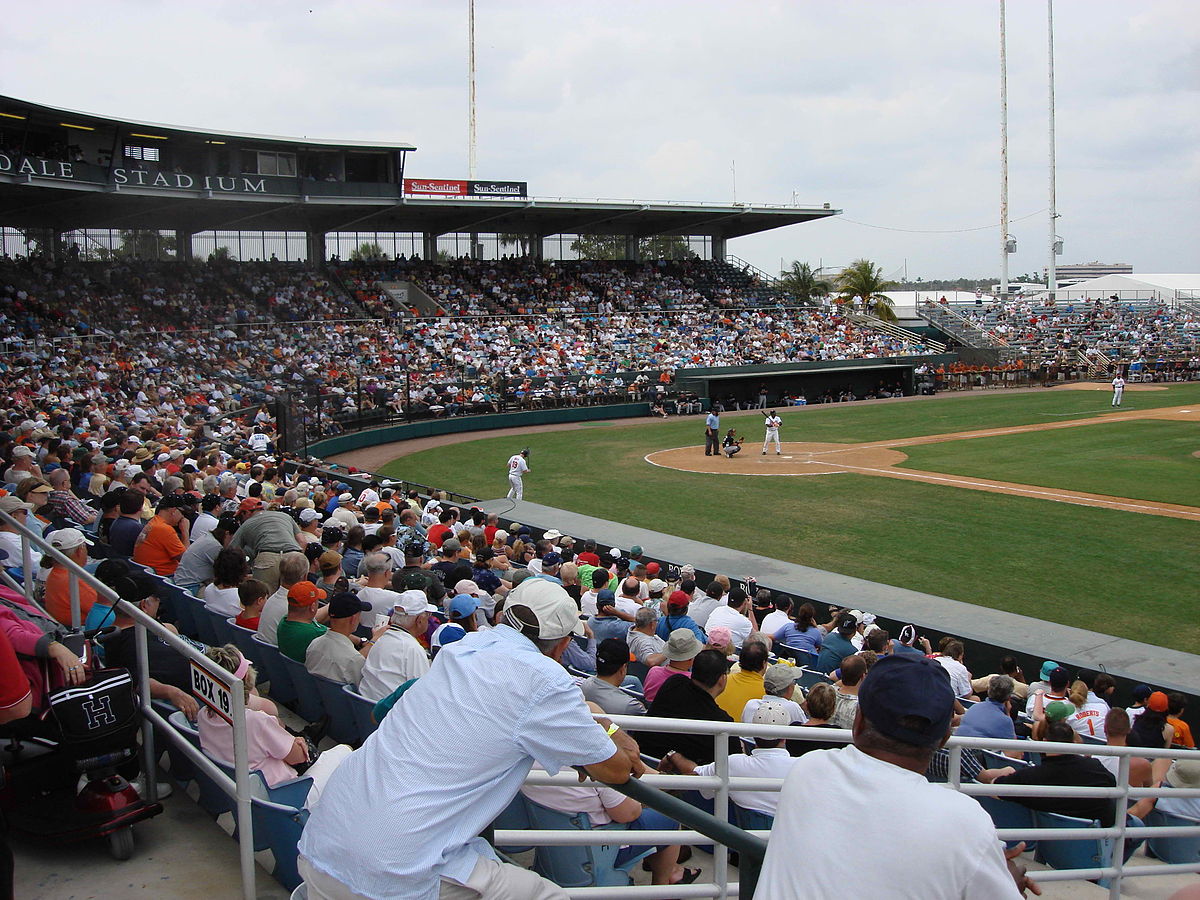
x=442, y=187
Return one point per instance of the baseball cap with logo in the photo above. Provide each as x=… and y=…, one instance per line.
x=329, y=562
x=541, y=609
x=908, y=698
x=304, y=593
x=413, y=603
x=1047, y=667
x=769, y=713
x=250, y=504
x=552, y=560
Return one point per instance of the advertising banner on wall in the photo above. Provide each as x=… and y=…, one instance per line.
x=439, y=187
x=443, y=187
x=498, y=188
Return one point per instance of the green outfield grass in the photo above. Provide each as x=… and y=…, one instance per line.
x=1120, y=573
x=1143, y=459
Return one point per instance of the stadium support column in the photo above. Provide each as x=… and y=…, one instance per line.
x=315, y=245
x=718, y=248
x=535, y=247
x=429, y=246
x=183, y=245
x=632, y=251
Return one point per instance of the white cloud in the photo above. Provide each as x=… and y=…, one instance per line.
x=887, y=110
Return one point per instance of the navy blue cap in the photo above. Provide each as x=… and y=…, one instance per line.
x=346, y=604
x=551, y=559
x=908, y=698
x=606, y=598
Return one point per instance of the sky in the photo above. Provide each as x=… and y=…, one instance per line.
x=889, y=111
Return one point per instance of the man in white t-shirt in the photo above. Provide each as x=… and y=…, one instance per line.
x=768, y=759
x=378, y=591
x=397, y=655
x=518, y=466
x=854, y=796
x=1118, y=385
x=733, y=616
x=776, y=619
x=772, y=423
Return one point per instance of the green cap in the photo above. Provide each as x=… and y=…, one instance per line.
x=635, y=550
x=1059, y=710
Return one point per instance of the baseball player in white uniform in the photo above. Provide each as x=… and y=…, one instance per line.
x=772, y=421
x=1118, y=389
x=517, y=467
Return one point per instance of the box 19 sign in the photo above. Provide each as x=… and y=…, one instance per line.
x=212, y=693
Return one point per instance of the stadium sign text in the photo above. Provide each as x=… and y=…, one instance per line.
x=181, y=181
x=444, y=187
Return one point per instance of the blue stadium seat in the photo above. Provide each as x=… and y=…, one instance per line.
x=308, y=699
x=212, y=799
x=181, y=605
x=580, y=866
x=1079, y=854
x=217, y=625
x=243, y=639
x=342, y=726
x=282, y=689
x=515, y=816
x=638, y=670
x=1007, y=814
x=1173, y=849
x=798, y=655
x=809, y=677
x=362, y=708
x=993, y=760
x=279, y=817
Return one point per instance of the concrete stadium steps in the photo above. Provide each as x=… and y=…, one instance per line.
x=984, y=627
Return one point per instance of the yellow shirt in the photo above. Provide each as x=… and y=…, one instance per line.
x=740, y=689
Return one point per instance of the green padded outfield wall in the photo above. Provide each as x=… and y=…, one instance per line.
x=371, y=437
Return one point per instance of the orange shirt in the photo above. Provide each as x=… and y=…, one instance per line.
x=58, y=596
x=159, y=547
x=1183, y=732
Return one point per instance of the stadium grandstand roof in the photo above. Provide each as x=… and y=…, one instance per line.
x=66, y=170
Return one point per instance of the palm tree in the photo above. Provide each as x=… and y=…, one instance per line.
x=863, y=280
x=801, y=281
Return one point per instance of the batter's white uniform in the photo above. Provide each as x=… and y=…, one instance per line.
x=1118, y=390
x=517, y=467
x=772, y=423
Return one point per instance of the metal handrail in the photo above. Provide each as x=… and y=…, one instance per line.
x=648, y=790
x=237, y=787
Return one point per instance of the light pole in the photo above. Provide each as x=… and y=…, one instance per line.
x=1003, y=156
x=1051, y=275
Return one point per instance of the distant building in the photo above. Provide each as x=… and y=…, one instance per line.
x=1072, y=274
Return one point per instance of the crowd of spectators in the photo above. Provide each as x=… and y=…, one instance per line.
x=1122, y=330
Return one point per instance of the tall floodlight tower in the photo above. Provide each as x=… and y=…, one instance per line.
x=471, y=88
x=1004, y=241
x=1055, y=243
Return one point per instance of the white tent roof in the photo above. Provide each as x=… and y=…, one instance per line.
x=1170, y=286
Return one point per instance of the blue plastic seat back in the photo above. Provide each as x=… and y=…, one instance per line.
x=1007, y=814
x=282, y=688
x=578, y=866
x=342, y=727
x=212, y=799
x=515, y=816
x=217, y=625
x=308, y=700
x=1173, y=849
x=182, y=606
x=993, y=760
x=1070, y=854
x=279, y=817
x=243, y=639
x=362, y=708
x=809, y=677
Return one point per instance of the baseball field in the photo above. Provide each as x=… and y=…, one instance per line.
x=1048, y=503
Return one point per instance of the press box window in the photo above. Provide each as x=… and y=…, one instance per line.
x=277, y=164
x=149, y=154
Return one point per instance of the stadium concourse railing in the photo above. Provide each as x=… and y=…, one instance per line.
x=648, y=788
x=153, y=722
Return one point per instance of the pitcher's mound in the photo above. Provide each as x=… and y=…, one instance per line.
x=796, y=459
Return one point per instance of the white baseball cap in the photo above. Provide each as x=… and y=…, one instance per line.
x=542, y=609
x=67, y=539
x=309, y=515
x=615, y=552
x=413, y=603
x=771, y=714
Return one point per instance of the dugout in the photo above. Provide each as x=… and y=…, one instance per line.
x=813, y=379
